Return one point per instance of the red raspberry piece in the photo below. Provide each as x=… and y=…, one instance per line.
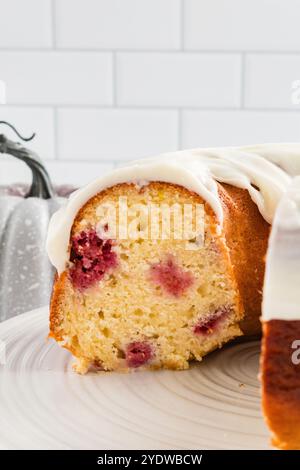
x=91, y=257
x=138, y=353
x=208, y=325
x=171, y=277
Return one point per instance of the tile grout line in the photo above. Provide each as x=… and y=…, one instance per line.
x=71, y=162
x=182, y=21
x=56, y=133
x=100, y=107
x=182, y=49
x=179, y=129
x=63, y=161
x=114, y=78
x=243, y=81
x=53, y=24
x=174, y=51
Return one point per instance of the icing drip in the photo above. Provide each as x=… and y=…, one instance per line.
x=264, y=170
x=281, y=299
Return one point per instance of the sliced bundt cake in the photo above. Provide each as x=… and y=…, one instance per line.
x=142, y=301
x=157, y=299
x=132, y=294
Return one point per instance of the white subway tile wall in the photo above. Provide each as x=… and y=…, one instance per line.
x=118, y=24
x=269, y=80
x=28, y=120
x=25, y=24
x=83, y=78
x=234, y=25
x=104, y=81
x=214, y=128
x=178, y=80
x=115, y=134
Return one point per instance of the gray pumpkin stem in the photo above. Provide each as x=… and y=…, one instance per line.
x=26, y=139
x=41, y=185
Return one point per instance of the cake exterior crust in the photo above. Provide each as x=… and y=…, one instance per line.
x=280, y=376
x=247, y=235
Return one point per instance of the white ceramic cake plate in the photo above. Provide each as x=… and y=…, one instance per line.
x=45, y=405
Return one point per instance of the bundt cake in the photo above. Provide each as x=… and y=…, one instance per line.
x=163, y=260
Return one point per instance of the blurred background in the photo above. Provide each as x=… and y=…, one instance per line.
x=104, y=81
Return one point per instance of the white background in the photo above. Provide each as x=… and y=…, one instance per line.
x=103, y=81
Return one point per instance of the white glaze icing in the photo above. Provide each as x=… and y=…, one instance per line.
x=268, y=167
x=281, y=299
